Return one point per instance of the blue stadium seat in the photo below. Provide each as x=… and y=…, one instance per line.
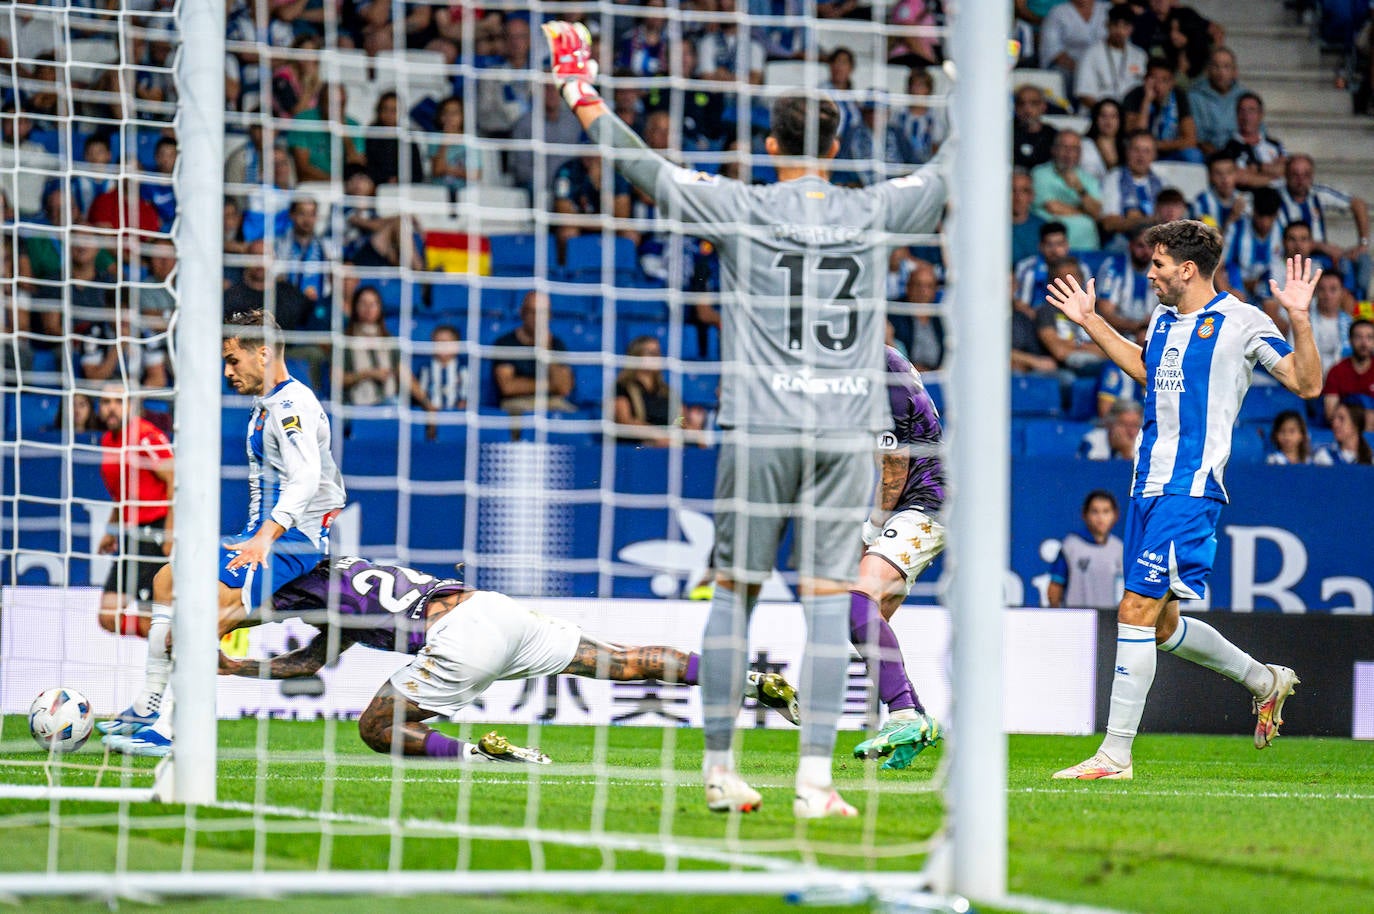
x=450, y=299
x=517, y=255
x=589, y=387
x=491, y=329
x=37, y=412
x=500, y=302
x=577, y=335
x=391, y=291
x=1265, y=401
x=369, y=429
x=584, y=253
x=629, y=330
x=1083, y=398
x=574, y=307
x=1034, y=395
x=700, y=389
x=1051, y=437
x=1248, y=444
x=1092, y=260
x=641, y=309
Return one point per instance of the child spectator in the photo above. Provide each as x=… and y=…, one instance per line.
x=1087, y=573
x=1292, y=444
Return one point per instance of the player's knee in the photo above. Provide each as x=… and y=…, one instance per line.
x=375, y=730
x=162, y=584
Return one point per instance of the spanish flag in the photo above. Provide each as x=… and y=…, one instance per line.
x=458, y=252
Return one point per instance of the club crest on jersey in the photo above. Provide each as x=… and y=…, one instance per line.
x=291, y=424
x=1169, y=374
x=1206, y=328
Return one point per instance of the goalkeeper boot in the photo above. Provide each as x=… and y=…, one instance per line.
x=127, y=722
x=1269, y=706
x=901, y=740
x=727, y=792
x=821, y=803
x=146, y=742
x=496, y=748
x=773, y=691
x=1097, y=768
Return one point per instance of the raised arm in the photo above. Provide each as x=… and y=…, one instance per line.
x=1080, y=306
x=1301, y=370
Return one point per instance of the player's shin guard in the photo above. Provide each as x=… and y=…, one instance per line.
x=1196, y=641
x=877, y=643
x=824, y=670
x=158, y=668
x=1135, y=673
x=723, y=666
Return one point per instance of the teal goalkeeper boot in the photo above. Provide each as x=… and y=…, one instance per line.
x=901, y=740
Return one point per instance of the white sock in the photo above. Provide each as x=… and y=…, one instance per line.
x=164, y=719
x=813, y=771
x=158, y=667
x=901, y=714
x=1196, y=641
x=714, y=758
x=1135, y=673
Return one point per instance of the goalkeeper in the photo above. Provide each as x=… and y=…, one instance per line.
x=464, y=640
x=803, y=268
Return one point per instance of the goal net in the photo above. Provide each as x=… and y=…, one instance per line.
x=404, y=190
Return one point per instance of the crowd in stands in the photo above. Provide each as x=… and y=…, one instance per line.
x=350, y=171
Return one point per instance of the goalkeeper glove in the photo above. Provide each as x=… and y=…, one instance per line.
x=872, y=532
x=570, y=47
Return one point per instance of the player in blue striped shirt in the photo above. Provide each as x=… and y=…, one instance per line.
x=1195, y=368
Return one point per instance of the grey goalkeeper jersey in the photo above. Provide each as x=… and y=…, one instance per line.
x=803, y=279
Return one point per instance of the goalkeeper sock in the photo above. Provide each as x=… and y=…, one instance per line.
x=1135, y=672
x=437, y=745
x=723, y=666
x=692, y=674
x=874, y=639
x=824, y=671
x=159, y=665
x=1196, y=641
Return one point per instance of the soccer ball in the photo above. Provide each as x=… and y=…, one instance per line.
x=60, y=720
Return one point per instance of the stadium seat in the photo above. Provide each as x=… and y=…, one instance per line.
x=1265, y=401
x=451, y=299
x=1188, y=177
x=700, y=389
x=627, y=330
x=1051, y=81
x=1083, y=399
x=1074, y=123
x=639, y=308
x=414, y=74
x=1051, y=437
x=576, y=334
x=517, y=254
x=1034, y=395
x=574, y=307
x=500, y=302
x=583, y=260
x=589, y=387
x=1092, y=260
x=799, y=73
x=427, y=202
x=37, y=412
x=1249, y=444
x=490, y=209
x=360, y=428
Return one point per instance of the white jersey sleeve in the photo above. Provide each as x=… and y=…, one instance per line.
x=295, y=431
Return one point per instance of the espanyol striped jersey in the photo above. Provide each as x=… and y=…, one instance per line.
x=1197, y=371
x=292, y=476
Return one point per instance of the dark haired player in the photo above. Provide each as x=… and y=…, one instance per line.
x=1195, y=367
x=294, y=492
x=803, y=269
x=463, y=641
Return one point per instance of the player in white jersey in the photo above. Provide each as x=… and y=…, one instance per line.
x=295, y=491
x=1195, y=368
x=803, y=270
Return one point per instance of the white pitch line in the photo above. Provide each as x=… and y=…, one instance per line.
x=1027, y=904
x=1212, y=794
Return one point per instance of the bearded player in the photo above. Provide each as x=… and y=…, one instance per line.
x=463, y=640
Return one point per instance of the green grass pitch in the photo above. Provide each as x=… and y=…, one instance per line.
x=1209, y=824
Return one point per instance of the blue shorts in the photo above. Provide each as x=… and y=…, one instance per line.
x=1171, y=542
x=292, y=555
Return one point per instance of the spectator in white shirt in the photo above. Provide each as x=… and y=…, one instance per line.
x=1112, y=67
x=1068, y=32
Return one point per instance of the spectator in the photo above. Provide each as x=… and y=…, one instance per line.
x=504, y=92
x=43, y=255
x=1170, y=205
x=1260, y=159
x=1350, y=447
x=122, y=208
x=252, y=293
x=783, y=42
x=1115, y=386
x=1125, y=295
x=628, y=101
x=136, y=466
x=841, y=87
x=1159, y=106
x=384, y=153
x=925, y=126
x=1291, y=442
x=1221, y=205
x=162, y=194
x=908, y=50
x=1177, y=33
x=860, y=146
x=266, y=209
x=124, y=350
x=1064, y=191
x=1302, y=199
x=296, y=83
x=1031, y=138
x=643, y=406
x=370, y=357
x=1117, y=439
x=578, y=191
x=1075, y=354
x=1214, y=101
x=85, y=416
x=1113, y=66
x=439, y=380
x=90, y=277
x=1069, y=31
x=1087, y=572
x=560, y=129
x=1255, y=244
x=1352, y=378
x=1105, y=142
x=373, y=241
x=308, y=261
x=526, y=374
x=86, y=186
x=703, y=112
x=719, y=50
x=922, y=334
x=1025, y=225
x=642, y=50
x=234, y=243
x=1032, y=277
x=452, y=162
x=1128, y=194
x=312, y=143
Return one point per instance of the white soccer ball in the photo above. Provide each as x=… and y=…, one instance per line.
x=60, y=720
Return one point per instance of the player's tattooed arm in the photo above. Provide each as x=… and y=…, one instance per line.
x=303, y=661
x=597, y=660
x=894, y=470
x=391, y=716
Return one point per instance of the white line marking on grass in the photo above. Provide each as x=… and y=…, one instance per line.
x=1026, y=904
x=1213, y=794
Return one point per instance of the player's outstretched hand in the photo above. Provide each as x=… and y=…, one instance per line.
x=1077, y=303
x=252, y=552
x=570, y=48
x=1300, y=282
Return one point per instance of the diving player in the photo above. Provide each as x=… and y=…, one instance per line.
x=902, y=536
x=294, y=492
x=803, y=269
x=463, y=641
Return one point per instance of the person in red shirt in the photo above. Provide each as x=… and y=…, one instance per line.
x=1352, y=378
x=136, y=465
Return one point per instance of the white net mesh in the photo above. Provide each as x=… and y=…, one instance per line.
x=398, y=243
